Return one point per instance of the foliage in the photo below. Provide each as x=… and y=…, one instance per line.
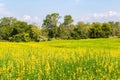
x=66, y=28
x=80, y=31
x=35, y=33
x=50, y=23
x=12, y=29
x=20, y=37
x=106, y=30
x=116, y=28
x=95, y=31
x=68, y=20
x=98, y=30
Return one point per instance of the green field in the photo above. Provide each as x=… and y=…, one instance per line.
x=89, y=59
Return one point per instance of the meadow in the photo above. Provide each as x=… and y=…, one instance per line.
x=89, y=59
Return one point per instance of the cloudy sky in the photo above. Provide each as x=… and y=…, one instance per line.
x=81, y=10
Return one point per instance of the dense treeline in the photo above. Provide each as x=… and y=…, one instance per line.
x=12, y=29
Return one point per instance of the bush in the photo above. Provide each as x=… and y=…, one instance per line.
x=23, y=37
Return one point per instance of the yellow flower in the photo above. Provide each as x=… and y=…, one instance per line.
x=47, y=67
x=98, y=71
x=18, y=78
x=33, y=57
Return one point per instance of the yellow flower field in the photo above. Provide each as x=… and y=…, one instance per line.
x=90, y=59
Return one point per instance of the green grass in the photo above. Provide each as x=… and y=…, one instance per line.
x=89, y=43
x=89, y=59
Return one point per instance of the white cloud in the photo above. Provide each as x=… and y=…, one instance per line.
x=30, y=19
x=36, y=19
x=26, y=18
x=106, y=14
x=100, y=17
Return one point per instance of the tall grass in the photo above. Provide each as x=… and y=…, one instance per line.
x=61, y=60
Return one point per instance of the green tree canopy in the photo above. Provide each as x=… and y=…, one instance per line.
x=68, y=20
x=51, y=22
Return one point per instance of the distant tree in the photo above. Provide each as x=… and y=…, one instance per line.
x=19, y=27
x=68, y=20
x=21, y=37
x=112, y=24
x=116, y=28
x=12, y=29
x=35, y=33
x=20, y=32
x=63, y=32
x=80, y=31
x=5, y=33
x=106, y=30
x=7, y=21
x=95, y=30
x=6, y=27
x=50, y=23
x=66, y=28
x=44, y=32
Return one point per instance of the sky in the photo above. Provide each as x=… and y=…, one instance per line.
x=34, y=11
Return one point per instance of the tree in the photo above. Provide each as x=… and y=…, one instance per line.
x=80, y=31
x=116, y=28
x=68, y=20
x=95, y=30
x=7, y=21
x=66, y=28
x=21, y=37
x=65, y=32
x=106, y=30
x=5, y=33
x=20, y=32
x=35, y=33
x=50, y=23
x=6, y=27
x=12, y=29
x=19, y=27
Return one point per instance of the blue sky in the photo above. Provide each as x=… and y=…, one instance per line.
x=81, y=10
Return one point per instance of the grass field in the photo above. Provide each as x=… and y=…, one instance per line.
x=90, y=59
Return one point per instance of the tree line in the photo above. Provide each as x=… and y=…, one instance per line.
x=15, y=30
